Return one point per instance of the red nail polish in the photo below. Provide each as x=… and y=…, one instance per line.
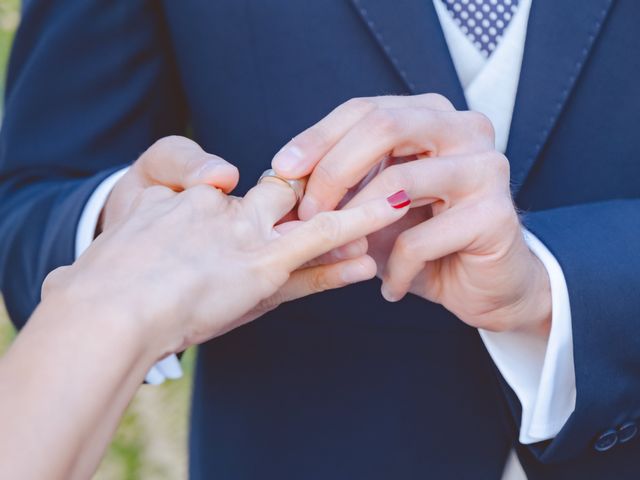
x=399, y=199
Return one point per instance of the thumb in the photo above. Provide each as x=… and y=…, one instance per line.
x=179, y=163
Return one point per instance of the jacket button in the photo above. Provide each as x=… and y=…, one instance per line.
x=627, y=431
x=606, y=441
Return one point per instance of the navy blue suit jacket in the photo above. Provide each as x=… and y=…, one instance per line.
x=344, y=385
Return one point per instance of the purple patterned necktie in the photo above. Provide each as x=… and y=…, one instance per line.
x=482, y=21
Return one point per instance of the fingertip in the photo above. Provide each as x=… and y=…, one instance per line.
x=399, y=200
x=370, y=265
x=289, y=161
x=358, y=270
x=389, y=294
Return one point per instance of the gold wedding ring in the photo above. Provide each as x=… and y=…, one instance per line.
x=296, y=185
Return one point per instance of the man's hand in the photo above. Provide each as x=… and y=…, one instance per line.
x=174, y=162
x=462, y=246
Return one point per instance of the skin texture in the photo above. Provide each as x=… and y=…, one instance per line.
x=462, y=244
x=178, y=269
x=178, y=164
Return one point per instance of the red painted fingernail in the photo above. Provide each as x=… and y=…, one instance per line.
x=399, y=199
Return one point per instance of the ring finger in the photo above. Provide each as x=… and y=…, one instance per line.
x=272, y=199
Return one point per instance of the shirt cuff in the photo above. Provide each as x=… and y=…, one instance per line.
x=169, y=367
x=88, y=222
x=540, y=371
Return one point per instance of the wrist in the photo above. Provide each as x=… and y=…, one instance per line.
x=104, y=317
x=534, y=311
x=527, y=303
x=543, y=313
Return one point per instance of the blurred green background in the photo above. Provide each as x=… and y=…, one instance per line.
x=151, y=440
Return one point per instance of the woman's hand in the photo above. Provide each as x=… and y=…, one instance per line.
x=179, y=163
x=192, y=265
x=175, y=269
x=463, y=245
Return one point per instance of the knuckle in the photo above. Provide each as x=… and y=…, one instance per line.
x=499, y=165
x=359, y=106
x=438, y=102
x=164, y=149
x=167, y=144
x=498, y=210
x=490, y=171
x=265, y=264
x=312, y=137
x=327, y=175
x=383, y=122
x=245, y=228
x=482, y=126
x=479, y=170
x=318, y=281
x=406, y=245
x=393, y=178
x=201, y=196
x=370, y=216
x=327, y=227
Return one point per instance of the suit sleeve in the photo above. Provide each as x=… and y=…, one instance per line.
x=91, y=85
x=597, y=247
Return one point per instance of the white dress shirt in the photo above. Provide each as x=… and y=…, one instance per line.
x=540, y=371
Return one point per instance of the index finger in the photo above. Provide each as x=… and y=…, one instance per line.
x=391, y=132
x=299, y=156
x=329, y=230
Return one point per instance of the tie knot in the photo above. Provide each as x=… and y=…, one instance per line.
x=482, y=21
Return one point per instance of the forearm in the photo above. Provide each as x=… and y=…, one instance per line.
x=53, y=404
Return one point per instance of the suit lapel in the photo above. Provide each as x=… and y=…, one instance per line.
x=559, y=39
x=409, y=34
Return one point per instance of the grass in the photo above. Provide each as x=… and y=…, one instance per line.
x=7, y=333
x=9, y=16
x=151, y=440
